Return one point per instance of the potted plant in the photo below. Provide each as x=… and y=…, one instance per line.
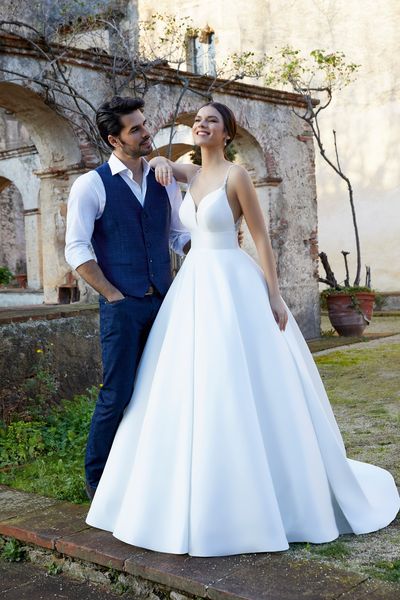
x=349, y=306
x=5, y=276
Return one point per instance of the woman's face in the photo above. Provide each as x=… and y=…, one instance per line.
x=208, y=128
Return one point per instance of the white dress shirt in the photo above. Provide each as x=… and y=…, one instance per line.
x=86, y=203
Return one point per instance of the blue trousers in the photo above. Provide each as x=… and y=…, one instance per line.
x=124, y=328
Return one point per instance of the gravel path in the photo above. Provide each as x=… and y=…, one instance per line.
x=392, y=339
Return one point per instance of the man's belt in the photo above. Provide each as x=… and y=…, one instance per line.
x=152, y=290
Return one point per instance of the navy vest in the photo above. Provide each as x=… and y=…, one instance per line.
x=131, y=242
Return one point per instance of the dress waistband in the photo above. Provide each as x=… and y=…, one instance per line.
x=214, y=240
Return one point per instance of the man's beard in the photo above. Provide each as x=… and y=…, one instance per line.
x=141, y=151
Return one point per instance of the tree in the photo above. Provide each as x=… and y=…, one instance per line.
x=316, y=78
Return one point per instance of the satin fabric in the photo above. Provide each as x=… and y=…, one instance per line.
x=229, y=444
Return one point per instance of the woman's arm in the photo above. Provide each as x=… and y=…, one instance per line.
x=165, y=169
x=247, y=197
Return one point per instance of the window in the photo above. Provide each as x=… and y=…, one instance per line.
x=200, y=53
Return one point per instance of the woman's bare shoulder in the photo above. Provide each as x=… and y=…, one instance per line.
x=239, y=174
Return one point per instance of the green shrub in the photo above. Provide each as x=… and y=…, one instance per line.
x=21, y=441
x=51, y=450
x=13, y=551
x=5, y=276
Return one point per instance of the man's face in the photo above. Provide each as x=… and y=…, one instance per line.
x=134, y=138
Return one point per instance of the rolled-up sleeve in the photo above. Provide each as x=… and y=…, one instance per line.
x=179, y=235
x=85, y=205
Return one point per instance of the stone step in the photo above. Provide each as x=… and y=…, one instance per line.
x=60, y=526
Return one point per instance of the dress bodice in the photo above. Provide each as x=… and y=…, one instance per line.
x=211, y=223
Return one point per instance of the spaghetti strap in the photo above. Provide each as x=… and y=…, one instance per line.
x=227, y=174
x=193, y=178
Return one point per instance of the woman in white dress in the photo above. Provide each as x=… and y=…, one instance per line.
x=229, y=444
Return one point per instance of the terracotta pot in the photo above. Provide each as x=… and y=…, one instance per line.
x=345, y=318
x=22, y=280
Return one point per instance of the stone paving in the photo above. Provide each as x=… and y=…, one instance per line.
x=60, y=527
x=392, y=339
x=21, y=581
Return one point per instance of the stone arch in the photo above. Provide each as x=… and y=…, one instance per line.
x=46, y=128
x=60, y=158
x=181, y=141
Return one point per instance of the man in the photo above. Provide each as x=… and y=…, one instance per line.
x=120, y=212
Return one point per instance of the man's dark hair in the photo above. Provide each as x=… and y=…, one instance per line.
x=108, y=115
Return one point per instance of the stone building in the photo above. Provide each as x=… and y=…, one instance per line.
x=365, y=115
x=271, y=143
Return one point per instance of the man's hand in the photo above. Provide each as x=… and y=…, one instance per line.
x=115, y=296
x=93, y=275
x=240, y=237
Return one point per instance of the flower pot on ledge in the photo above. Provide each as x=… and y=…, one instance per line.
x=21, y=279
x=350, y=313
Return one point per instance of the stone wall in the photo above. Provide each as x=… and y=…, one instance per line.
x=66, y=348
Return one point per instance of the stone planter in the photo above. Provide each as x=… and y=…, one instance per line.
x=350, y=317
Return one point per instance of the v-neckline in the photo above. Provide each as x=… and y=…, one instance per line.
x=197, y=206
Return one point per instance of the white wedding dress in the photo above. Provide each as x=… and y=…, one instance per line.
x=229, y=444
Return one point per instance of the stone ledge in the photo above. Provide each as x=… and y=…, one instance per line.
x=61, y=526
x=44, y=312
x=44, y=527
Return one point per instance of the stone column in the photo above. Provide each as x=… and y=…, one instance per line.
x=267, y=190
x=54, y=189
x=296, y=253
x=33, y=243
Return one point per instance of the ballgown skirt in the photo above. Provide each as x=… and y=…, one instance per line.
x=229, y=444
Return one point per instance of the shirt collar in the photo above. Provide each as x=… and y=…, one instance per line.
x=117, y=166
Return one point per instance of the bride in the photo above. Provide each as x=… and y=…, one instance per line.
x=229, y=444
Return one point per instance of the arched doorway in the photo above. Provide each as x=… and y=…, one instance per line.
x=12, y=231
x=57, y=163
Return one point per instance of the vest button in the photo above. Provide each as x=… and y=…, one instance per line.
x=150, y=260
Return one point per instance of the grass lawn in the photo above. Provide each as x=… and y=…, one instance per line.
x=364, y=390
x=46, y=456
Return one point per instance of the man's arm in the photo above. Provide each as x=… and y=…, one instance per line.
x=94, y=276
x=85, y=204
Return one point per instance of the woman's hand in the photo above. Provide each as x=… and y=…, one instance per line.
x=279, y=311
x=162, y=169
x=165, y=170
